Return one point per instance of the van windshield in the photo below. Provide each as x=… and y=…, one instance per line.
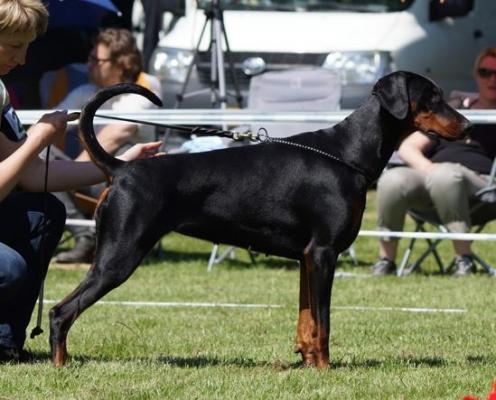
x=311, y=5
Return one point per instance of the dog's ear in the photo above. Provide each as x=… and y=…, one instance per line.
x=392, y=93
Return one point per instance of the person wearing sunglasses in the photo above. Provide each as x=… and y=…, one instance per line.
x=441, y=174
x=115, y=58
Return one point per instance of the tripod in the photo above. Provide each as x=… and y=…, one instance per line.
x=215, y=16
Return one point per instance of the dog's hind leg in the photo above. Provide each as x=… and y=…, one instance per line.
x=316, y=276
x=113, y=265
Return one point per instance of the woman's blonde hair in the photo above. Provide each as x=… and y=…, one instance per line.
x=489, y=52
x=23, y=16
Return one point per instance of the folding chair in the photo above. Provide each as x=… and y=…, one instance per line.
x=303, y=89
x=483, y=210
x=54, y=85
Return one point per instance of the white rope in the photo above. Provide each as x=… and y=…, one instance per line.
x=418, y=235
x=175, y=304
x=169, y=304
x=217, y=116
x=239, y=117
x=431, y=235
x=404, y=309
x=80, y=222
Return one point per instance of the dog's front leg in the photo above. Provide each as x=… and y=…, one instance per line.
x=306, y=323
x=316, y=275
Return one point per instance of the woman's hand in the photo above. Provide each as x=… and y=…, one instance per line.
x=51, y=127
x=141, y=150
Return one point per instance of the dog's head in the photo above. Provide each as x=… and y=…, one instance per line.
x=406, y=95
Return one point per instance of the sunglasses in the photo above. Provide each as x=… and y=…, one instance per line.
x=95, y=60
x=486, y=73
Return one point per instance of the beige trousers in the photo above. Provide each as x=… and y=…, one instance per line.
x=448, y=188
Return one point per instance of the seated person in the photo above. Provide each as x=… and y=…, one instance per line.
x=114, y=59
x=440, y=174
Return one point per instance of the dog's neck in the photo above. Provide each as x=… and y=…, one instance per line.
x=377, y=135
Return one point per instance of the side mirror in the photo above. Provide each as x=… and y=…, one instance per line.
x=439, y=9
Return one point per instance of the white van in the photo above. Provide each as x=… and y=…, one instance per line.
x=360, y=40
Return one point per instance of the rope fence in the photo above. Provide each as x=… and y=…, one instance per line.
x=239, y=117
x=418, y=235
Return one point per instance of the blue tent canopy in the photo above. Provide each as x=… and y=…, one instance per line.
x=78, y=13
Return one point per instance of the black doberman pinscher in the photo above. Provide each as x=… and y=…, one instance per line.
x=302, y=199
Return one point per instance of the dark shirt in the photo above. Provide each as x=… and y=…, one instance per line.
x=10, y=125
x=475, y=152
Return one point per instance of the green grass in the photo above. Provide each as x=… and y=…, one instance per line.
x=224, y=353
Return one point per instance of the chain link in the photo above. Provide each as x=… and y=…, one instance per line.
x=262, y=136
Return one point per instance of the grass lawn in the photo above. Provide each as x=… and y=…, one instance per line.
x=186, y=352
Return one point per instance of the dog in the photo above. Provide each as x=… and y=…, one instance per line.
x=302, y=198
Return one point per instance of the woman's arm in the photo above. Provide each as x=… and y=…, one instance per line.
x=412, y=151
x=63, y=175
x=20, y=164
x=66, y=175
x=16, y=158
x=14, y=164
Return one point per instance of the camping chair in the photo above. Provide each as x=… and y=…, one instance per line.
x=303, y=89
x=483, y=210
x=55, y=84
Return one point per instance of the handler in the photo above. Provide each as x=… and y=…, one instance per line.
x=32, y=223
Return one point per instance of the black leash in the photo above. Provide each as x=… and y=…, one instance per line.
x=37, y=329
x=261, y=136
x=197, y=130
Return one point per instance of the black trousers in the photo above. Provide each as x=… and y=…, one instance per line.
x=31, y=227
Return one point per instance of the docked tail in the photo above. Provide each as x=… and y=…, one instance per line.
x=102, y=159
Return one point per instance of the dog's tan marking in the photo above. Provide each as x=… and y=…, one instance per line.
x=60, y=354
x=102, y=196
x=448, y=128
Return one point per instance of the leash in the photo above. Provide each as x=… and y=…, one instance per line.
x=37, y=329
x=261, y=136
x=197, y=130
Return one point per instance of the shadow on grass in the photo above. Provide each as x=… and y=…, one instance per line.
x=481, y=360
x=205, y=362
x=195, y=362
x=400, y=361
x=423, y=361
x=201, y=362
x=180, y=362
